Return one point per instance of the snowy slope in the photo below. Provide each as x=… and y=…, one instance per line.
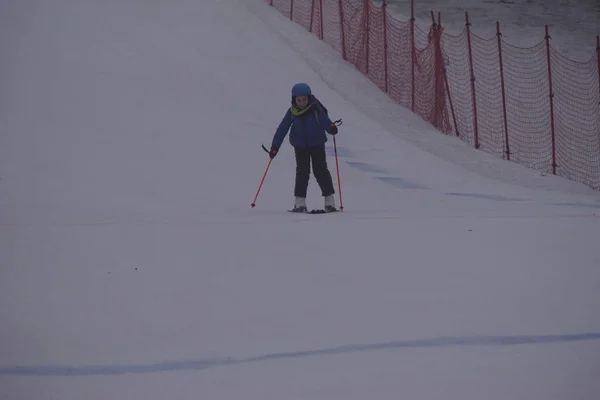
x=132, y=266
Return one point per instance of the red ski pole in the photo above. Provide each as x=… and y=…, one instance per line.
x=261, y=182
x=337, y=167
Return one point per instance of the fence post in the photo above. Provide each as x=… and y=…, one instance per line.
x=475, y=127
x=291, y=10
x=436, y=75
x=321, y=19
x=551, y=95
x=413, y=54
x=385, y=46
x=312, y=15
x=499, y=35
x=343, y=37
x=598, y=55
x=440, y=76
x=271, y=3
x=367, y=17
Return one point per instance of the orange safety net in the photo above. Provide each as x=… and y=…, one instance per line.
x=530, y=105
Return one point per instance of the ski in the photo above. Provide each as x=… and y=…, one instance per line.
x=322, y=211
x=315, y=211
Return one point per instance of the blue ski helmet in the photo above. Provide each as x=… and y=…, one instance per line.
x=301, y=89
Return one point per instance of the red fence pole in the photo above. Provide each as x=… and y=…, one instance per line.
x=499, y=35
x=551, y=95
x=413, y=53
x=343, y=37
x=321, y=18
x=312, y=15
x=475, y=127
x=385, y=46
x=367, y=17
x=598, y=55
x=440, y=76
x=436, y=73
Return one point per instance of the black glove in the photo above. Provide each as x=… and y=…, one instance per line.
x=272, y=153
x=333, y=129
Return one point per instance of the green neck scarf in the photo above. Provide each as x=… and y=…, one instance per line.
x=296, y=112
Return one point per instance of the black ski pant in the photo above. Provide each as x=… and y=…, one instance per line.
x=318, y=156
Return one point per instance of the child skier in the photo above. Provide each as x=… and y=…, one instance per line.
x=309, y=121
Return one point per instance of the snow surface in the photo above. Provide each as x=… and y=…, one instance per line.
x=132, y=266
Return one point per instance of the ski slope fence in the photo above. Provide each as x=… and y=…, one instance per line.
x=529, y=105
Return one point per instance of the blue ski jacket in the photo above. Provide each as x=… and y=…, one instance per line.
x=308, y=126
